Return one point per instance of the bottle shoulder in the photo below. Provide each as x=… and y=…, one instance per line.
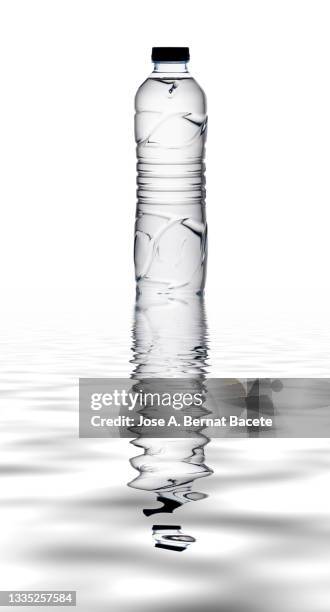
x=163, y=91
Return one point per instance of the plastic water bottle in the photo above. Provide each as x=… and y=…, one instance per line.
x=170, y=128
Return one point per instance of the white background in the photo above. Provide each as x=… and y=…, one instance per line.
x=69, y=71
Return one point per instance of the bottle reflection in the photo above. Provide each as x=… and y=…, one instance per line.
x=169, y=342
x=169, y=337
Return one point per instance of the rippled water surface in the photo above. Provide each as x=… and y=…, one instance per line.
x=70, y=522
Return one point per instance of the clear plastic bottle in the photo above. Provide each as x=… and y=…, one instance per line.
x=170, y=128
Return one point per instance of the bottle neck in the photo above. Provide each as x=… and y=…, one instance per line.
x=171, y=67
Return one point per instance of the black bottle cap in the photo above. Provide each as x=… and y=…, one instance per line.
x=170, y=54
x=177, y=548
x=171, y=527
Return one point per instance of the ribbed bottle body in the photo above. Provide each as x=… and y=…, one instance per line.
x=170, y=231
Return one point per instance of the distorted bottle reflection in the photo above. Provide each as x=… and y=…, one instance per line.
x=169, y=348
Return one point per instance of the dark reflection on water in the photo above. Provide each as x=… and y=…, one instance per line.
x=169, y=341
